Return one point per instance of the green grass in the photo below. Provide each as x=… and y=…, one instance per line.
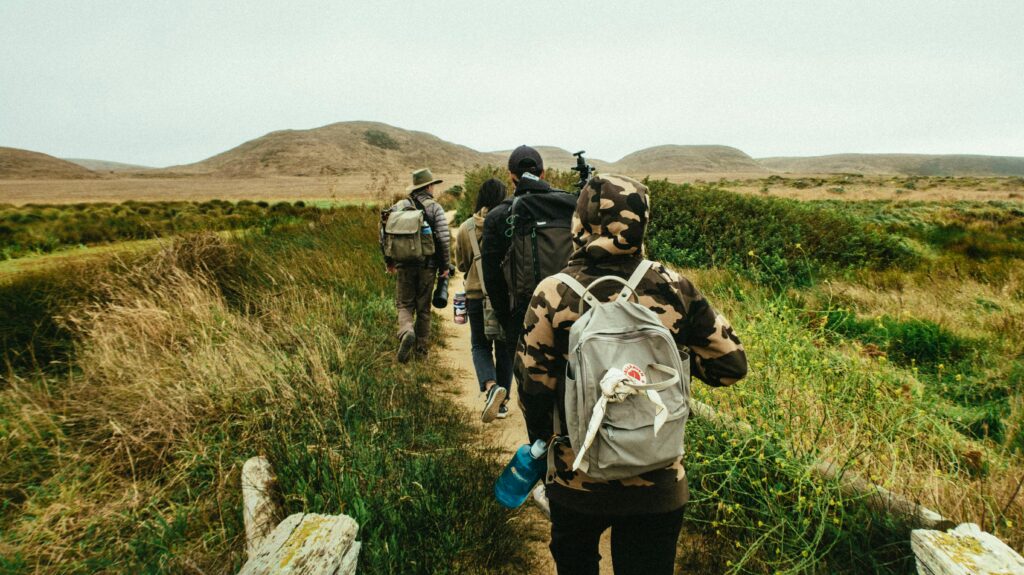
x=756, y=504
x=189, y=361
x=33, y=229
x=775, y=241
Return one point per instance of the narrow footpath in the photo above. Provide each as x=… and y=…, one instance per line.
x=507, y=434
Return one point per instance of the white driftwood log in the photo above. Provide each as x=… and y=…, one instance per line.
x=307, y=544
x=966, y=550
x=258, y=508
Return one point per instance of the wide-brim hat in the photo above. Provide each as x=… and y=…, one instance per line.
x=421, y=179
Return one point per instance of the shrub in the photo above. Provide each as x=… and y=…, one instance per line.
x=775, y=240
x=380, y=139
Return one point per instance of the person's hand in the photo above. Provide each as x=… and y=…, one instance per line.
x=391, y=268
x=444, y=274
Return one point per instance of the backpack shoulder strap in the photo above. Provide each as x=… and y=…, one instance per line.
x=572, y=282
x=477, y=260
x=637, y=276
x=576, y=286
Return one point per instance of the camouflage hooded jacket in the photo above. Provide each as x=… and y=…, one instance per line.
x=608, y=232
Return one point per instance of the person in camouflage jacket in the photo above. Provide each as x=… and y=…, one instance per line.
x=644, y=512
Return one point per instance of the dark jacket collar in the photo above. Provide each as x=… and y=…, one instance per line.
x=528, y=184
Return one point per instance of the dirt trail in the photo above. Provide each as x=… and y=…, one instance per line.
x=508, y=434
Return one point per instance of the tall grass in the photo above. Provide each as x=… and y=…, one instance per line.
x=756, y=504
x=184, y=364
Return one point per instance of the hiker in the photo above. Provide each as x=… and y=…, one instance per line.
x=492, y=352
x=643, y=510
x=516, y=257
x=415, y=240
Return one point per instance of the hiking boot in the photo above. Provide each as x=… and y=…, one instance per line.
x=405, y=346
x=495, y=401
x=502, y=411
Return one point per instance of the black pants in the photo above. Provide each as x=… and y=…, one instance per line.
x=641, y=544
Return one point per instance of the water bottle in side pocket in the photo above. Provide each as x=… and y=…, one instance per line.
x=521, y=474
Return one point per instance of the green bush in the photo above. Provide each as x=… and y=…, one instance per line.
x=475, y=178
x=43, y=229
x=380, y=139
x=774, y=240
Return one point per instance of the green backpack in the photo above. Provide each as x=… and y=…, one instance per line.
x=408, y=238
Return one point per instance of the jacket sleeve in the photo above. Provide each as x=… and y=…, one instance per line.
x=539, y=361
x=717, y=356
x=493, y=246
x=442, y=236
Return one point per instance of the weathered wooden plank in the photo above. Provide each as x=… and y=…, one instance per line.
x=966, y=550
x=349, y=561
x=258, y=508
x=307, y=544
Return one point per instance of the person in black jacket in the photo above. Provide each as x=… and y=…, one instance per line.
x=526, y=168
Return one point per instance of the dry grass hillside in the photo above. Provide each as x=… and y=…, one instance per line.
x=16, y=164
x=105, y=166
x=903, y=164
x=673, y=159
x=336, y=149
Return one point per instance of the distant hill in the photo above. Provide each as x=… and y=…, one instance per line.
x=105, y=166
x=900, y=164
x=16, y=164
x=673, y=159
x=554, y=157
x=345, y=147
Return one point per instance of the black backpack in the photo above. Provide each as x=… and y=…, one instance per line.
x=539, y=231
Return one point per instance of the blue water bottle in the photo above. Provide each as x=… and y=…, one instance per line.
x=520, y=475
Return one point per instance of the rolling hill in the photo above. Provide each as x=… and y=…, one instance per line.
x=17, y=164
x=901, y=164
x=345, y=147
x=554, y=157
x=673, y=159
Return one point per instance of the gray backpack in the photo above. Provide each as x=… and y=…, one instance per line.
x=408, y=238
x=627, y=385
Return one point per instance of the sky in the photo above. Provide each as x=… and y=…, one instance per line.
x=161, y=83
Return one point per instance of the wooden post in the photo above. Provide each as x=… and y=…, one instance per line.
x=258, y=508
x=308, y=544
x=966, y=550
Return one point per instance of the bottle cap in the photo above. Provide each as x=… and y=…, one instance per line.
x=538, y=448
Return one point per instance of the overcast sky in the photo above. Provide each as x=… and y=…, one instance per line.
x=161, y=83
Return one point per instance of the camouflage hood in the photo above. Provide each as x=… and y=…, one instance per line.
x=611, y=218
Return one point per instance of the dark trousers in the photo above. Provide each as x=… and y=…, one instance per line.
x=641, y=544
x=492, y=359
x=414, y=287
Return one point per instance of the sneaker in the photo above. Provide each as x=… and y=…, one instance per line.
x=502, y=411
x=495, y=401
x=405, y=346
